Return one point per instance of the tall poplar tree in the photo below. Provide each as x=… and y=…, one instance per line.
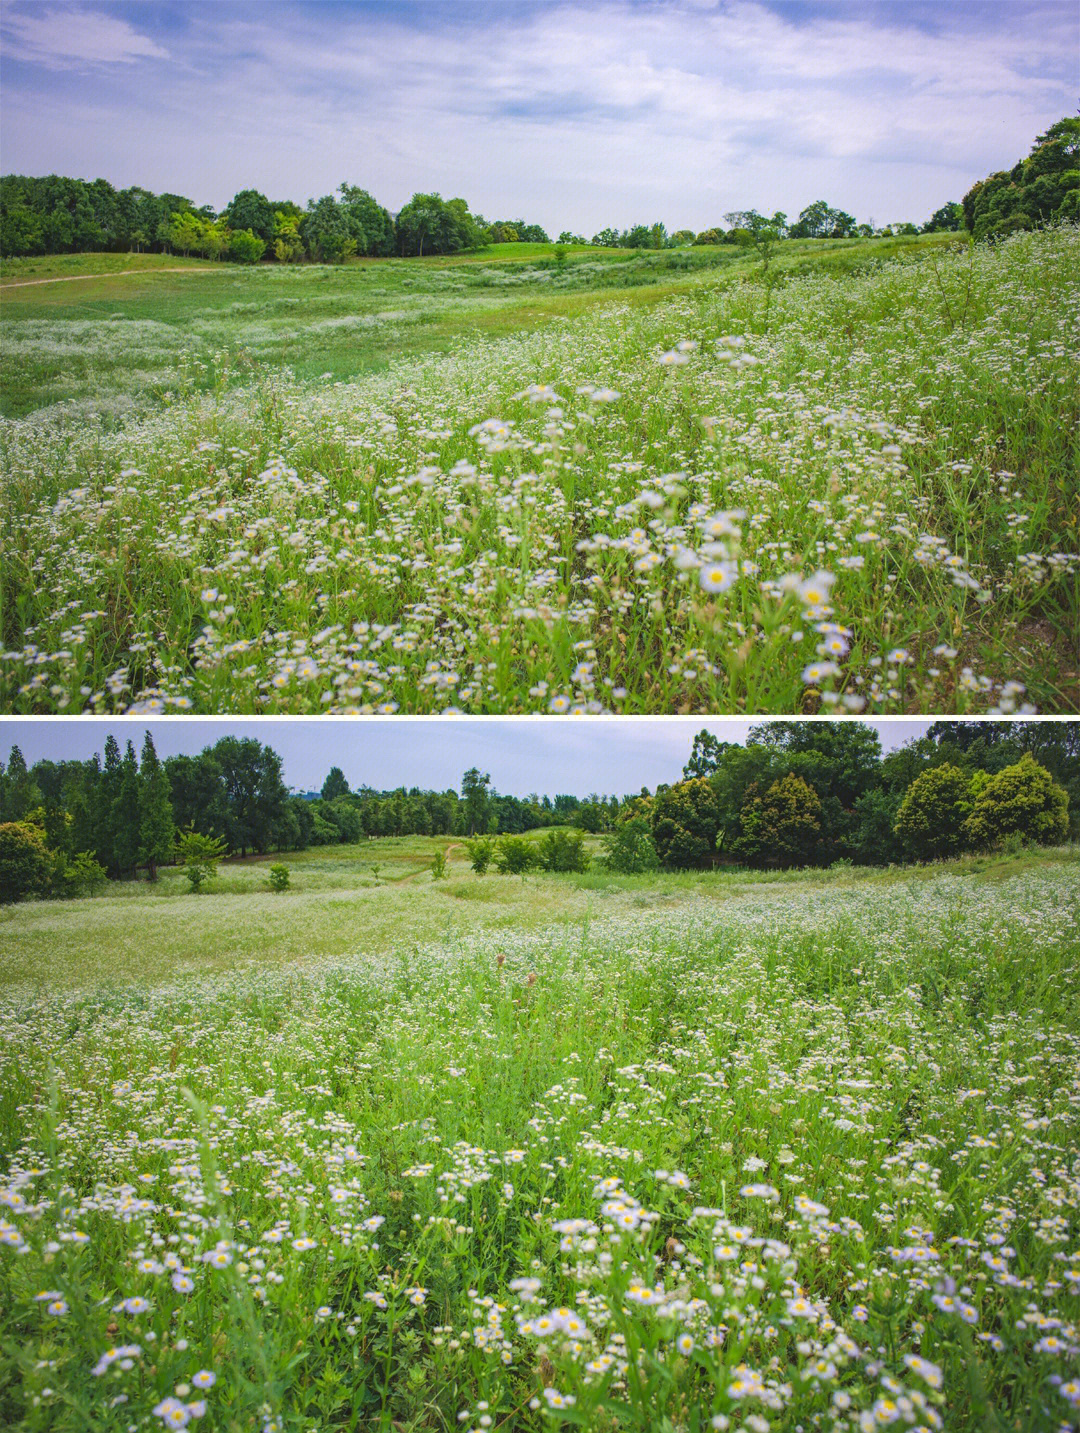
x=127, y=813
x=156, y=828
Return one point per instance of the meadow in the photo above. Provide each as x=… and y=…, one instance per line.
x=664, y=1152
x=646, y=483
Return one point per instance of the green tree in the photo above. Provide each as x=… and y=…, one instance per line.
x=82, y=875
x=685, y=821
x=1021, y=800
x=707, y=755
x=126, y=814
x=199, y=856
x=25, y=863
x=563, y=850
x=783, y=827
x=157, y=832
x=629, y=847
x=335, y=785
x=481, y=850
x=252, y=211
x=279, y=876
x=764, y=233
x=245, y=247
x=515, y=856
x=19, y=793
x=932, y=820
x=476, y=794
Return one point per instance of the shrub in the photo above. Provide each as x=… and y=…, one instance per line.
x=563, y=850
x=1020, y=800
x=279, y=876
x=932, y=818
x=514, y=856
x=82, y=875
x=199, y=855
x=481, y=850
x=438, y=865
x=630, y=848
x=25, y=862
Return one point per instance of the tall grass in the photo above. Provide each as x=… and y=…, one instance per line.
x=831, y=490
x=806, y=1159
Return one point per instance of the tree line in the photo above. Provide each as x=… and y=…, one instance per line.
x=796, y=794
x=1042, y=189
x=57, y=215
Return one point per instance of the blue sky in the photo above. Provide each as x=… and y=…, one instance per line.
x=522, y=754
x=570, y=115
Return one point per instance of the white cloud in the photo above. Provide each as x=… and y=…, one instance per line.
x=571, y=116
x=61, y=39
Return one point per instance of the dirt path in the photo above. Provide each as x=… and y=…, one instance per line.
x=116, y=274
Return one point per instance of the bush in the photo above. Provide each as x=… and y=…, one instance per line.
x=438, y=865
x=481, y=850
x=82, y=875
x=563, y=851
x=514, y=856
x=1020, y=800
x=245, y=247
x=932, y=820
x=279, y=876
x=630, y=848
x=199, y=855
x=25, y=862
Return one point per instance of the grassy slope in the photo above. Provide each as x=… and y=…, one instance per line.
x=137, y=334
x=336, y=906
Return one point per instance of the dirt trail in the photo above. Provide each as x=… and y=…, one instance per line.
x=116, y=274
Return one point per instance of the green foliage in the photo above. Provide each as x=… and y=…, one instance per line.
x=629, y=847
x=244, y=247
x=81, y=875
x=783, y=827
x=157, y=829
x=1021, y=800
x=279, y=876
x=821, y=221
x=685, y=821
x=438, y=866
x=199, y=855
x=514, y=856
x=335, y=784
x=1044, y=188
x=481, y=850
x=932, y=820
x=251, y=211
x=563, y=850
x=476, y=795
x=25, y=862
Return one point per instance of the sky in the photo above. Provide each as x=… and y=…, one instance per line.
x=546, y=755
x=572, y=115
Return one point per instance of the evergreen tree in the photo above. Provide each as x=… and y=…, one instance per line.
x=335, y=785
x=157, y=831
x=106, y=806
x=126, y=814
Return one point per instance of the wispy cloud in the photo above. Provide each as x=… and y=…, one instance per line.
x=73, y=38
x=575, y=115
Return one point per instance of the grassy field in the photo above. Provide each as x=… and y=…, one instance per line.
x=649, y=483
x=107, y=336
x=684, y=1153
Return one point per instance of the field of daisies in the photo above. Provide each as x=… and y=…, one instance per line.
x=771, y=493
x=806, y=1158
